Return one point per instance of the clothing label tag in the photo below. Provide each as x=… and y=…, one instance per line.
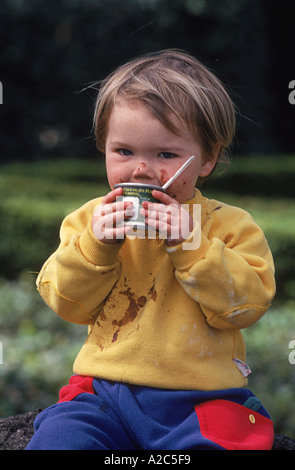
x=242, y=366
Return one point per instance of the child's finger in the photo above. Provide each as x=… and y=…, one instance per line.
x=113, y=207
x=112, y=195
x=113, y=217
x=160, y=211
x=109, y=217
x=164, y=197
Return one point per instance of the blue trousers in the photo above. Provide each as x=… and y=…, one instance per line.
x=103, y=415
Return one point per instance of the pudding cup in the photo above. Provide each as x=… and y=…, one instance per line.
x=137, y=193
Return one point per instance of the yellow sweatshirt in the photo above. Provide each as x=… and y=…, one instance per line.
x=159, y=316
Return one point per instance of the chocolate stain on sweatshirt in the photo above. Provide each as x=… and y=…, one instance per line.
x=135, y=304
x=131, y=312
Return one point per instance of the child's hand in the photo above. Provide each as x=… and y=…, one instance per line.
x=168, y=217
x=108, y=217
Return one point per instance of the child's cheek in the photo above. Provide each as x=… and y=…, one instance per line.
x=180, y=190
x=163, y=176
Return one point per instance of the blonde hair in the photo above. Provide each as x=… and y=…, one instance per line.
x=171, y=82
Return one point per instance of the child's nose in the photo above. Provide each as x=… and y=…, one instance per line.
x=143, y=170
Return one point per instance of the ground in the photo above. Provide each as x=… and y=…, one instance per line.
x=16, y=431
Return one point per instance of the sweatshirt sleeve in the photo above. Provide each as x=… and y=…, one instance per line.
x=77, y=278
x=231, y=274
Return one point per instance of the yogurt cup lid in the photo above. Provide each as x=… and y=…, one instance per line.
x=139, y=185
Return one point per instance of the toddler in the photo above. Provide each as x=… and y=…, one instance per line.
x=163, y=366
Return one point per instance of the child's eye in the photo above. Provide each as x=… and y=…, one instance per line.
x=167, y=155
x=124, y=152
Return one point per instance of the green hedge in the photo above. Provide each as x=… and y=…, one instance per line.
x=37, y=196
x=38, y=348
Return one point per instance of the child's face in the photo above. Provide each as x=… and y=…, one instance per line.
x=140, y=149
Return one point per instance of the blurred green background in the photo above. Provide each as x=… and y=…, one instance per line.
x=49, y=52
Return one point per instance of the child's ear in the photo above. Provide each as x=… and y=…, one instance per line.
x=209, y=163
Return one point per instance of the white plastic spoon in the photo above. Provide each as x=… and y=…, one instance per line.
x=181, y=169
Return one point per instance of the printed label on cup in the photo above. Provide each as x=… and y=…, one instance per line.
x=137, y=193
